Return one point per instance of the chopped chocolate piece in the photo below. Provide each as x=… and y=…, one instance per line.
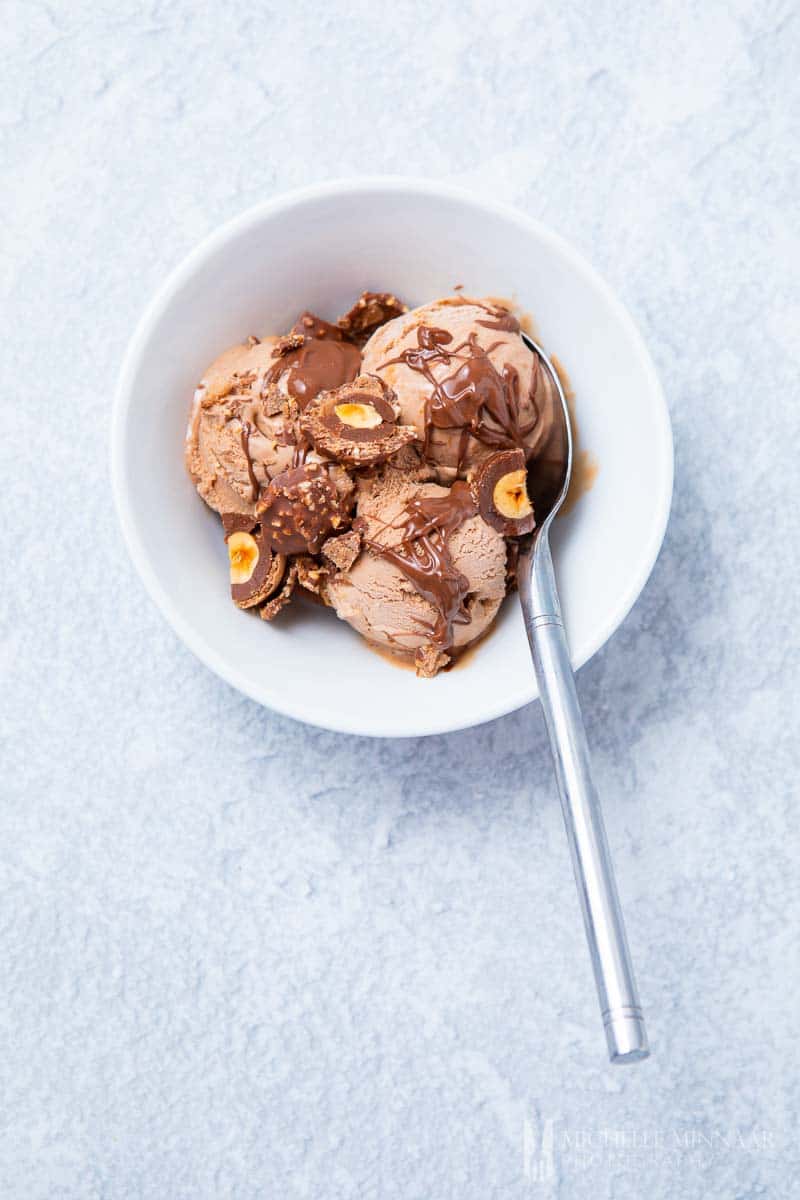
x=255, y=571
x=300, y=508
x=270, y=610
x=273, y=401
x=512, y=563
x=500, y=491
x=234, y=522
x=310, y=573
x=244, y=380
x=369, y=311
x=287, y=343
x=356, y=423
x=429, y=660
x=341, y=552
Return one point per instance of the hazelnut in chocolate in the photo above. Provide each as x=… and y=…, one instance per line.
x=501, y=493
x=356, y=424
x=299, y=509
x=385, y=465
x=254, y=570
x=370, y=310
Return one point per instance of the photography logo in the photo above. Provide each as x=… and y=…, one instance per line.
x=538, y=1150
x=550, y=1148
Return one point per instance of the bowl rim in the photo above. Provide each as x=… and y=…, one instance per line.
x=342, y=722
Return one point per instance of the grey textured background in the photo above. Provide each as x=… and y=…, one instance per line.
x=240, y=957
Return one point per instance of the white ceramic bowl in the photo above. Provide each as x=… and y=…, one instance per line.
x=318, y=249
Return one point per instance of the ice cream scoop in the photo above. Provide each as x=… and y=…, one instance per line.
x=431, y=574
x=241, y=431
x=465, y=380
x=605, y=931
x=238, y=437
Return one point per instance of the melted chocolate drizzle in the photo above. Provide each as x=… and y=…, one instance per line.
x=427, y=563
x=502, y=320
x=326, y=360
x=424, y=558
x=247, y=430
x=476, y=398
x=443, y=513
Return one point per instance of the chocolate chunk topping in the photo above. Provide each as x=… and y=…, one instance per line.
x=512, y=563
x=356, y=423
x=273, y=401
x=270, y=610
x=311, y=574
x=255, y=571
x=233, y=522
x=299, y=509
x=341, y=552
x=287, y=343
x=500, y=491
x=371, y=310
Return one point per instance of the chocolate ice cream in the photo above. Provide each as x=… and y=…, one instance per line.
x=236, y=440
x=431, y=574
x=466, y=380
x=382, y=463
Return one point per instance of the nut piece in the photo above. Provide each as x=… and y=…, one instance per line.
x=356, y=423
x=358, y=415
x=511, y=497
x=369, y=311
x=299, y=509
x=255, y=571
x=244, y=555
x=501, y=493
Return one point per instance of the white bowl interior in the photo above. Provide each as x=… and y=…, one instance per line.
x=319, y=250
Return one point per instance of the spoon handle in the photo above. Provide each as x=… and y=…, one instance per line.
x=591, y=861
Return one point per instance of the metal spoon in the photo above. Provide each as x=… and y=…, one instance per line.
x=591, y=861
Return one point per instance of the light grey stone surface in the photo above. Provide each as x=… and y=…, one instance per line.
x=244, y=958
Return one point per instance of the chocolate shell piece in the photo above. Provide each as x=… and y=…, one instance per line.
x=356, y=424
x=270, y=610
x=500, y=491
x=300, y=508
x=370, y=310
x=256, y=573
x=235, y=522
x=341, y=552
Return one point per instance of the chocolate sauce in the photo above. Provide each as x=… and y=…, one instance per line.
x=324, y=361
x=302, y=449
x=424, y=558
x=474, y=391
x=426, y=561
x=502, y=320
x=501, y=317
x=247, y=429
x=299, y=441
x=442, y=513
